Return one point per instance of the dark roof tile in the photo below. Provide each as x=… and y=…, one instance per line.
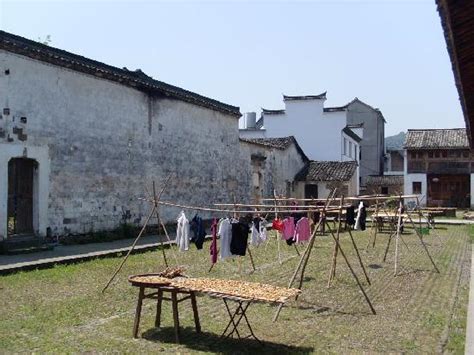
x=136, y=79
x=455, y=138
x=278, y=143
x=327, y=171
x=384, y=180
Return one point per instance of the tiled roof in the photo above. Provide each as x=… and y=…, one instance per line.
x=305, y=97
x=347, y=130
x=278, y=143
x=272, y=112
x=457, y=20
x=385, y=180
x=327, y=171
x=136, y=79
x=335, y=109
x=455, y=138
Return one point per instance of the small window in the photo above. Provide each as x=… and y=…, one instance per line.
x=430, y=154
x=350, y=149
x=437, y=154
x=444, y=154
x=355, y=152
x=413, y=155
x=420, y=155
x=384, y=190
x=465, y=154
x=345, y=146
x=416, y=187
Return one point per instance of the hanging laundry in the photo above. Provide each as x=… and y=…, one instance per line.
x=288, y=228
x=277, y=225
x=199, y=233
x=361, y=217
x=302, y=230
x=240, y=234
x=182, y=232
x=259, y=231
x=213, y=247
x=350, y=215
x=225, y=233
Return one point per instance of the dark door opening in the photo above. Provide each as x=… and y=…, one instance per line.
x=311, y=191
x=449, y=190
x=20, y=196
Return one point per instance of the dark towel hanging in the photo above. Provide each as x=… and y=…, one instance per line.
x=199, y=233
x=350, y=215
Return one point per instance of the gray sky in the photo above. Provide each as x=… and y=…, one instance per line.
x=390, y=54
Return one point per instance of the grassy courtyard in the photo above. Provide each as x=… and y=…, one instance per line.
x=63, y=310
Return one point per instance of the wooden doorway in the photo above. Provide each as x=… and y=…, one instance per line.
x=21, y=174
x=449, y=190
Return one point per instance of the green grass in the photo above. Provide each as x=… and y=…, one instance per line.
x=62, y=310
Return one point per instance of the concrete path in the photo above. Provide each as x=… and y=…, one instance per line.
x=469, y=347
x=62, y=254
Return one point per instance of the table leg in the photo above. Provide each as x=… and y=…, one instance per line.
x=138, y=312
x=174, y=301
x=232, y=317
x=158, y=308
x=195, y=312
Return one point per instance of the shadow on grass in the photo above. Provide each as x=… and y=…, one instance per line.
x=210, y=342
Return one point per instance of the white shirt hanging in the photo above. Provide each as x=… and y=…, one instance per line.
x=182, y=232
x=225, y=233
x=357, y=223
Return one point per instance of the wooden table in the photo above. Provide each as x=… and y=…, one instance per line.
x=237, y=316
x=159, y=290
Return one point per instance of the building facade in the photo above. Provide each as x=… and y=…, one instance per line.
x=439, y=167
x=274, y=162
x=79, y=140
x=354, y=131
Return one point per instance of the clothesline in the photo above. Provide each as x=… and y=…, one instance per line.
x=276, y=206
x=358, y=198
x=271, y=209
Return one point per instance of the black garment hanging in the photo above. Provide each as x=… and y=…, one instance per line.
x=199, y=233
x=363, y=217
x=350, y=215
x=240, y=235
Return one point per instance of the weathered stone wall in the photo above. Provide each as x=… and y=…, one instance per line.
x=106, y=141
x=278, y=169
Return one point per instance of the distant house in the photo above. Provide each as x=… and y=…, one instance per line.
x=438, y=167
x=353, y=132
x=274, y=162
x=318, y=178
x=385, y=184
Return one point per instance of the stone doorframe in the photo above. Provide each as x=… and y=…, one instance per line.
x=40, y=184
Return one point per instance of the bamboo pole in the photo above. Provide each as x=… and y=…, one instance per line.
x=423, y=244
x=332, y=272
x=155, y=205
x=130, y=250
x=367, y=299
x=359, y=257
x=398, y=235
x=304, y=258
x=138, y=237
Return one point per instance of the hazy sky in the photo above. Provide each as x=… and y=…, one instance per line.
x=390, y=54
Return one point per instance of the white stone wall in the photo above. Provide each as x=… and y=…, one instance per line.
x=408, y=186
x=104, y=141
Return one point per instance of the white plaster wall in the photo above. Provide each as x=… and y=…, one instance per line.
x=317, y=132
x=408, y=186
x=105, y=141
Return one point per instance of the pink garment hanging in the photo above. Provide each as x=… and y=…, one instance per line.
x=288, y=228
x=303, y=230
x=213, y=247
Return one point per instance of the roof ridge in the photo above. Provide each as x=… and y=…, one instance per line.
x=138, y=79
